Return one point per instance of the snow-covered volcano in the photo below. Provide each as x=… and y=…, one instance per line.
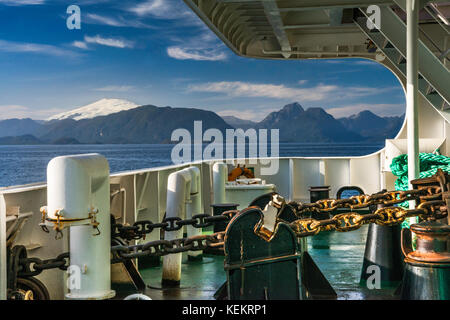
x=101, y=107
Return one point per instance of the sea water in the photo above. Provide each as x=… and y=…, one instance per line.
x=28, y=164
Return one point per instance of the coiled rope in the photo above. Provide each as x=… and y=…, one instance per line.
x=429, y=163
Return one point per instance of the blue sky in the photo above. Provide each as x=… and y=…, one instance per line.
x=158, y=52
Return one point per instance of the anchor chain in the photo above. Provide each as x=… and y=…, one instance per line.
x=431, y=206
x=30, y=267
x=140, y=229
x=387, y=216
x=160, y=248
x=364, y=201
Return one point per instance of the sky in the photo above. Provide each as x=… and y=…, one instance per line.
x=159, y=52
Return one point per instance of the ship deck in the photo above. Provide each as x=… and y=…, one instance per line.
x=338, y=255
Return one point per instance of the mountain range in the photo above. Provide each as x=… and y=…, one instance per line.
x=120, y=121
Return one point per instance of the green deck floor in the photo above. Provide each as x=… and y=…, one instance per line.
x=338, y=255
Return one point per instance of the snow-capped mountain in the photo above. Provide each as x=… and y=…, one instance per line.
x=101, y=107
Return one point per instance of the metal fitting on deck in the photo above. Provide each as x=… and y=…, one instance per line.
x=427, y=273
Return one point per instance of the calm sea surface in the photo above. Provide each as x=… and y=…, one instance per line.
x=27, y=164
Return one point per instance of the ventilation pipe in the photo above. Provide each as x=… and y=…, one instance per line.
x=78, y=197
x=194, y=207
x=178, y=195
x=220, y=174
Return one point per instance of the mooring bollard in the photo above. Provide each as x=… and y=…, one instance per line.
x=78, y=198
x=194, y=207
x=427, y=271
x=220, y=174
x=383, y=250
x=178, y=194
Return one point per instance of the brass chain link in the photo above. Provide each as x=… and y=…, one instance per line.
x=363, y=201
x=431, y=206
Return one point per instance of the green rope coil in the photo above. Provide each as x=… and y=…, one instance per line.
x=429, y=164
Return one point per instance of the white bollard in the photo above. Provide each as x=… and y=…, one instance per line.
x=194, y=207
x=178, y=194
x=220, y=176
x=77, y=187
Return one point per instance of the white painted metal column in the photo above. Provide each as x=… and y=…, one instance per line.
x=220, y=173
x=77, y=189
x=178, y=193
x=412, y=87
x=194, y=207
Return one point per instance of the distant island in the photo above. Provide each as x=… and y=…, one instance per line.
x=116, y=121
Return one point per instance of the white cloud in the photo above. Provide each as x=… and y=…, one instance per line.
x=154, y=7
x=18, y=111
x=114, y=22
x=181, y=53
x=245, y=89
x=162, y=9
x=17, y=3
x=355, y=92
x=253, y=114
x=80, y=45
x=199, y=45
x=381, y=109
x=110, y=42
x=115, y=88
x=204, y=46
x=320, y=92
x=10, y=46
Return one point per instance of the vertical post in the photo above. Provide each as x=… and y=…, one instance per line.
x=412, y=82
x=193, y=208
x=3, y=275
x=220, y=172
x=78, y=186
x=178, y=193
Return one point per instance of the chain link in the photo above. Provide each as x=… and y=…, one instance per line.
x=30, y=267
x=387, y=198
x=350, y=221
x=164, y=247
x=140, y=229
